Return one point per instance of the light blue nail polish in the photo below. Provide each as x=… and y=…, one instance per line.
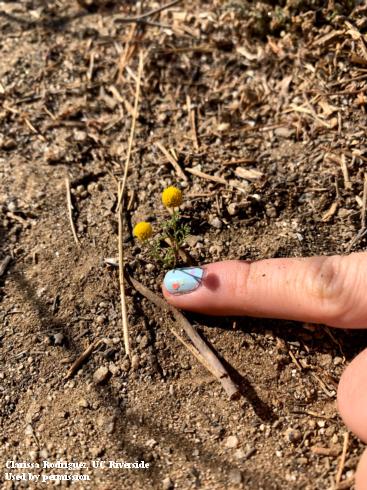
x=185, y=280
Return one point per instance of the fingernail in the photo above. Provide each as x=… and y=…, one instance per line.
x=185, y=280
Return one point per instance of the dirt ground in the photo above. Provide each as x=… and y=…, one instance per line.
x=267, y=100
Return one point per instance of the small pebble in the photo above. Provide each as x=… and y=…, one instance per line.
x=232, y=209
x=151, y=443
x=216, y=249
x=293, y=435
x=192, y=240
x=92, y=187
x=28, y=430
x=235, y=476
x=80, y=135
x=271, y=211
x=58, y=338
x=100, y=319
x=83, y=403
x=135, y=361
x=96, y=451
x=240, y=454
x=101, y=375
x=44, y=454
x=325, y=359
x=125, y=365
x=144, y=342
x=216, y=223
x=167, y=484
x=150, y=267
x=113, y=368
x=232, y=442
x=330, y=431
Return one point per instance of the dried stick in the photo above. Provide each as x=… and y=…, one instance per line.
x=172, y=161
x=83, y=357
x=125, y=323
x=364, y=203
x=345, y=484
x=132, y=131
x=138, y=18
x=205, y=176
x=216, y=367
x=363, y=230
x=121, y=190
x=127, y=53
x=195, y=353
x=191, y=114
x=342, y=459
x=70, y=209
x=4, y=265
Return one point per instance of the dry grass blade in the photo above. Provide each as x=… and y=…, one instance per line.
x=342, y=459
x=120, y=194
x=343, y=164
x=124, y=319
x=363, y=231
x=345, y=484
x=191, y=114
x=172, y=160
x=138, y=18
x=132, y=131
x=195, y=353
x=216, y=367
x=203, y=175
x=70, y=210
x=4, y=265
x=330, y=212
x=127, y=53
x=364, y=202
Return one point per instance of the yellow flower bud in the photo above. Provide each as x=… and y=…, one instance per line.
x=143, y=231
x=171, y=197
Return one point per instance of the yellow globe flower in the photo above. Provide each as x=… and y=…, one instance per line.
x=171, y=197
x=143, y=231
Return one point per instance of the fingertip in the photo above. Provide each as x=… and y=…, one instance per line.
x=166, y=294
x=352, y=396
x=361, y=473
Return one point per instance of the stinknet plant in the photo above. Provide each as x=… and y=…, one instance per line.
x=165, y=246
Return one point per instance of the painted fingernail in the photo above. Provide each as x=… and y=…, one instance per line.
x=185, y=280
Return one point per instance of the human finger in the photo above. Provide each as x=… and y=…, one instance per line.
x=329, y=290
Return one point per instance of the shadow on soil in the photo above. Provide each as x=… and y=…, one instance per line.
x=129, y=421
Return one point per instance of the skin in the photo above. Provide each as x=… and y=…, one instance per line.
x=327, y=290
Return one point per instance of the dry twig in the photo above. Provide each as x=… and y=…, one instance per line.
x=83, y=357
x=203, y=175
x=4, y=265
x=138, y=18
x=70, y=209
x=345, y=484
x=191, y=114
x=342, y=459
x=121, y=190
x=172, y=161
x=204, y=351
x=133, y=124
x=125, y=323
x=363, y=230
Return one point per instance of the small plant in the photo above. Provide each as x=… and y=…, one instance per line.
x=166, y=246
